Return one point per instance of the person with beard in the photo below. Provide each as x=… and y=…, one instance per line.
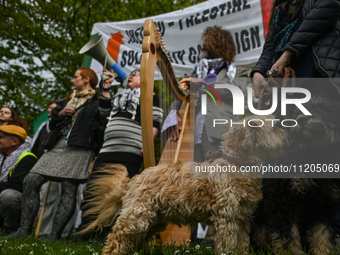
x=215, y=66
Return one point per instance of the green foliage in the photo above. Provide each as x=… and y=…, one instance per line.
x=40, y=40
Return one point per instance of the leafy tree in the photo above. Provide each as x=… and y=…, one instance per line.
x=40, y=40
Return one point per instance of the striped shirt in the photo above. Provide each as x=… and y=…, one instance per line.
x=122, y=134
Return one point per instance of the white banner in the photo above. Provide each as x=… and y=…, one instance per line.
x=181, y=31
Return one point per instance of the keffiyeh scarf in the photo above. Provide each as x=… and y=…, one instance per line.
x=11, y=160
x=283, y=28
x=206, y=66
x=126, y=101
x=76, y=103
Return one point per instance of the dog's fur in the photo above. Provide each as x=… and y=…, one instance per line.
x=166, y=194
x=296, y=214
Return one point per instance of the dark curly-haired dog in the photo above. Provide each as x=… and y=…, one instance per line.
x=296, y=214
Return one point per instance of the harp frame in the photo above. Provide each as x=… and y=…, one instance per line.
x=154, y=53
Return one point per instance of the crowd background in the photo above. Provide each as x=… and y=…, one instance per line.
x=28, y=86
x=39, y=59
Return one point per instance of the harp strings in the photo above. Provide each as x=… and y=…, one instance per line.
x=166, y=86
x=167, y=147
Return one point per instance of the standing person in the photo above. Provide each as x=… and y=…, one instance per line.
x=55, y=190
x=215, y=67
x=123, y=137
x=216, y=61
x=14, y=167
x=303, y=35
x=78, y=122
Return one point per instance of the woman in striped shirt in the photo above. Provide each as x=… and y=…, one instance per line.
x=123, y=135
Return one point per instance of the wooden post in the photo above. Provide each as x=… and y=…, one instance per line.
x=42, y=210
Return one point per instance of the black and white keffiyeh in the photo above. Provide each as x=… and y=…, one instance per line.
x=126, y=101
x=11, y=160
x=206, y=66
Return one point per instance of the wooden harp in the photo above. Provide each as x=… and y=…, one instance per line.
x=154, y=53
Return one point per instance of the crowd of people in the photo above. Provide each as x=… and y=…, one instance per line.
x=86, y=127
x=64, y=147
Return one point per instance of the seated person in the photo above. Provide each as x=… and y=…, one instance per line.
x=15, y=165
x=8, y=116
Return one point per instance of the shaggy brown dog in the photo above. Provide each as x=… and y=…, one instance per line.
x=168, y=194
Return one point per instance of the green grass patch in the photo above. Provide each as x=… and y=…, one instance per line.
x=32, y=246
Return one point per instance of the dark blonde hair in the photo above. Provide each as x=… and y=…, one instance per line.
x=87, y=72
x=221, y=42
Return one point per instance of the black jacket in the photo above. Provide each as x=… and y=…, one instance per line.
x=88, y=127
x=320, y=29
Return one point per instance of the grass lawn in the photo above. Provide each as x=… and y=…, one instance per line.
x=32, y=246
